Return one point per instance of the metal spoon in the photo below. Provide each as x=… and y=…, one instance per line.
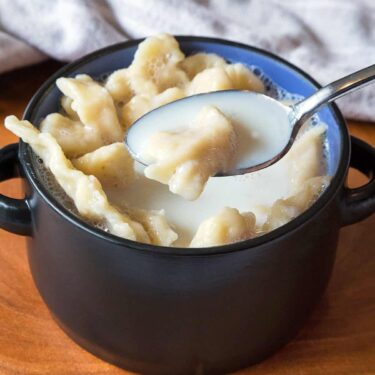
x=266, y=127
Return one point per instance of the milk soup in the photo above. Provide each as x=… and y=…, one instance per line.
x=175, y=200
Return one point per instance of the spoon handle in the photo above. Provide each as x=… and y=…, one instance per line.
x=307, y=107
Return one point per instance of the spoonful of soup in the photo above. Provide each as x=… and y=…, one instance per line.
x=263, y=130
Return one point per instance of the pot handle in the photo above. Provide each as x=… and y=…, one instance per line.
x=15, y=215
x=359, y=203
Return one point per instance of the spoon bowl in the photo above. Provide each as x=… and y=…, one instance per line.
x=260, y=137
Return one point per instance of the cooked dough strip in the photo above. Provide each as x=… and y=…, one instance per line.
x=284, y=210
x=85, y=191
x=156, y=225
x=187, y=159
x=112, y=165
x=98, y=123
x=228, y=226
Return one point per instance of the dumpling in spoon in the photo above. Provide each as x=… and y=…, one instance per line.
x=185, y=160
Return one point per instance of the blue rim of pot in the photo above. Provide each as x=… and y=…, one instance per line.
x=25, y=153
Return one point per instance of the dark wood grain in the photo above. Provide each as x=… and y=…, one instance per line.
x=339, y=338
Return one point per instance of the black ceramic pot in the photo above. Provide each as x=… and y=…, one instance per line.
x=160, y=310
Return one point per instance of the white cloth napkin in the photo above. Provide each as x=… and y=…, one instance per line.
x=326, y=38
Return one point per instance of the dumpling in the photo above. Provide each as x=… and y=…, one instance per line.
x=117, y=84
x=66, y=105
x=228, y=77
x=98, y=125
x=305, y=158
x=212, y=79
x=195, y=64
x=71, y=135
x=156, y=225
x=242, y=78
x=156, y=62
x=141, y=104
x=67, y=102
x=186, y=160
x=284, y=210
x=112, y=165
x=228, y=226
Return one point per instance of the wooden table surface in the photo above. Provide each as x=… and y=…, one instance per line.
x=339, y=338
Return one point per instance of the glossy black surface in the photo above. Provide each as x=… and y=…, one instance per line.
x=14, y=213
x=359, y=203
x=171, y=314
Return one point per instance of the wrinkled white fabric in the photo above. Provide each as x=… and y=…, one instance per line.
x=326, y=38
